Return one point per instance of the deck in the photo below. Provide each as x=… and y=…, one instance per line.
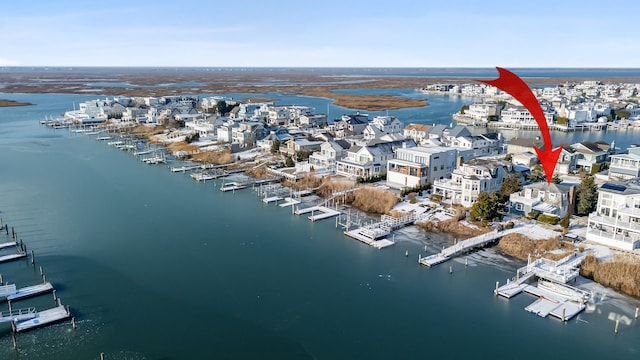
x=8, y=244
x=513, y=288
x=29, y=291
x=271, y=199
x=44, y=318
x=324, y=212
x=378, y=244
x=11, y=257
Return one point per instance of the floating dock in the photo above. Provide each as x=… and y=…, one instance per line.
x=289, y=202
x=11, y=257
x=18, y=315
x=324, y=212
x=271, y=199
x=30, y=291
x=232, y=186
x=378, y=244
x=8, y=245
x=43, y=318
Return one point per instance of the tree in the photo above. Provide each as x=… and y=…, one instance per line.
x=508, y=157
x=556, y=179
x=565, y=221
x=487, y=207
x=510, y=185
x=464, y=108
x=289, y=162
x=587, y=196
x=275, y=147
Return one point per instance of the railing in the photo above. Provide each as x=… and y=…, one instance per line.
x=18, y=312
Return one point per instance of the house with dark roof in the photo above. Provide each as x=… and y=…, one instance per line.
x=548, y=199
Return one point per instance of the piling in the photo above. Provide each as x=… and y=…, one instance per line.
x=466, y=262
x=15, y=344
x=59, y=302
x=73, y=322
x=44, y=279
x=33, y=258
x=102, y=356
x=13, y=232
x=615, y=330
x=497, y=286
x=68, y=310
x=406, y=253
x=1, y=284
x=563, y=314
x=41, y=271
x=635, y=316
x=54, y=295
x=450, y=269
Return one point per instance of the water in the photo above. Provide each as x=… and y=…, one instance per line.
x=157, y=266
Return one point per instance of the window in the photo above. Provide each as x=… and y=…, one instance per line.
x=519, y=207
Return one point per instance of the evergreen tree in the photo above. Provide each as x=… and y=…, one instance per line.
x=487, y=207
x=275, y=147
x=289, y=162
x=510, y=185
x=565, y=221
x=587, y=196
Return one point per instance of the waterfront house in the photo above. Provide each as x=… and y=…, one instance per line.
x=591, y=156
x=370, y=159
x=616, y=221
x=525, y=159
x=281, y=135
x=520, y=115
x=483, y=111
x=471, y=178
x=625, y=166
x=416, y=166
x=548, y=199
x=302, y=144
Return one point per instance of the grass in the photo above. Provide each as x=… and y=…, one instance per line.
x=521, y=246
x=621, y=274
x=213, y=157
x=7, y=103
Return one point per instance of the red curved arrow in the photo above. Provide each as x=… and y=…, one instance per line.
x=516, y=87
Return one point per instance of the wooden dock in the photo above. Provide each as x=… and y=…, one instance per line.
x=467, y=245
x=376, y=243
x=30, y=291
x=8, y=244
x=11, y=257
x=323, y=212
x=43, y=318
x=18, y=315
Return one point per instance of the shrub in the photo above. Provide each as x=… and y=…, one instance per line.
x=548, y=219
x=436, y=198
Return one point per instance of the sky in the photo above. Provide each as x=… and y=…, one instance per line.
x=328, y=33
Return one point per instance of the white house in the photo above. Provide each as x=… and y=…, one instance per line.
x=625, y=166
x=470, y=179
x=616, y=221
x=549, y=199
x=416, y=166
x=368, y=160
x=417, y=132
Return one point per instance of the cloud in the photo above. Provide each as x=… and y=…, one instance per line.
x=8, y=62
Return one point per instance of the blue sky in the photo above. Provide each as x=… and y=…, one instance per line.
x=445, y=33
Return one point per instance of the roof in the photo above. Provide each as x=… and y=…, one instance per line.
x=526, y=142
x=552, y=188
x=459, y=130
x=590, y=147
x=438, y=129
x=418, y=127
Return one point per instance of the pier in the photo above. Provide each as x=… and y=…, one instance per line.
x=30, y=291
x=324, y=212
x=43, y=318
x=467, y=245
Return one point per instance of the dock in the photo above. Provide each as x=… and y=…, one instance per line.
x=18, y=315
x=6, y=290
x=43, y=318
x=30, y=291
x=373, y=242
x=232, y=186
x=271, y=199
x=513, y=288
x=184, y=168
x=561, y=306
x=8, y=245
x=289, y=202
x=324, y=212
x=467, y=245
x=11, y=257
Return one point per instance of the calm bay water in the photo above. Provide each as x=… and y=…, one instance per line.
x=157, y=266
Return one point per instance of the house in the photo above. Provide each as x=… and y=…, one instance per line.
x=417, y=132
x=520, y=145
x=526, y=159
x=472, y=178
x=520, y=115
x=483, y=111
x=548, y=199
x=295, y=145
x=279, y=135
x=616, y=221
x=591, y=155
x=330, y=152
x=481, y=145
x=416, y=166
x=370, y=159
x=351, y=124
x=625, y=166
x=567, y=161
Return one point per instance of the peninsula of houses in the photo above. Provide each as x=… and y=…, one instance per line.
x=593, y=184
x=590, y=105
